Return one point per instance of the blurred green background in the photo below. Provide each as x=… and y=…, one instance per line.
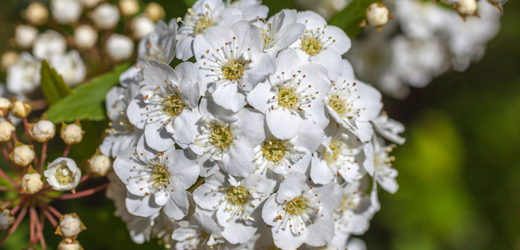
x=459, y=174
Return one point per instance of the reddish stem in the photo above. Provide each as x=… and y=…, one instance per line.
x=32, y=237
x=28, y=132
x=5, y=176
x=10, y=145
x=50, y=218
x=44, y=155
x=54, y=211
x=39, y=229
x=85, y=177
x=21, y=204
x=66, y=152
x=15, y=225
x=83, y=193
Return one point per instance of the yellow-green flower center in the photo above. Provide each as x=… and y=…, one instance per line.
x=338, y=104
x=335, y=146
x=311, y=45
x=221, y=136
x=64, y=175
x=237, y=195
x=174, y=105
x=296, y=206
x=288, y=97
x=233, y=69
x=160, y=174
x=202, y=23
x=274, y=150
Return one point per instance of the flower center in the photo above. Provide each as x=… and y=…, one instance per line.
x=288, y=97
x=237, y=195
x=64, y=175
x=174, y=105
x=274, y=150
x=266, y=34
x=338, y=104
x=160, y=174
x=296, y=206
x=221, y=136
x=202, y=23
x=233, y=69
x=335, y=146
x=350, y=201
x=311, y=44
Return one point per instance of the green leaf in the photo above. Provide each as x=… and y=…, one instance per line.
x=86, y=102
x=189, y=3
x=53, y=86
x=351, y=17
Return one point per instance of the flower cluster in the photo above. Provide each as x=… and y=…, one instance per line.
x=267, y=140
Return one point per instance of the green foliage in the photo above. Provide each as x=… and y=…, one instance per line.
x=86, y=102
x=189, y=3
x=350, y=18
x=53, y=86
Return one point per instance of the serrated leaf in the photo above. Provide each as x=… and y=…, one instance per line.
x=86, y=102
x=53, y=86
x=351, y=17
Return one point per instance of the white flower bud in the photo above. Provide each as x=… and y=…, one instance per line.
x=32, y=183
x=90, y=3
x=128, y=7
x=85, y=36
x=142, y=26
x=119, y=47
x=25, y=36
x=5, y=107
x=44, y=130
x=36, y=13
x=154, y=11
x=63, y=174
x=66, y=11
x=71, y=133
x=70, y=226
x=21, y=109
x=467, y=7
x=6, y=131
x=9, y=58
x=6, y=220
x=100, y=164
x=69, y=244
x=105, y=16
x=49, y=44
x=377, y=15
x=23, y=155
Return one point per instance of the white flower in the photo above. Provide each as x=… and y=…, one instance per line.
x=6, y=131
x=25, y=36
x=389, y=128
x=32, y=183
x=23, y=155
x=156, y=181
x=291, y=95
x=204, y=14
x=201, y=232
x=24, y=75
x=6, y=220
x=326, y=8
x=167, y=107
x=321, y=44
x=299, y=213
x=105, y=16
x=232, y=63
x=70, y=67
x=280, y=31
x=284, y=156
x=48, y=44
x=66, y=11
x=85, y=36
x=69, y=244
x=251, y=9
x=36, y=13
x=337, y=156
x=467, y=7
x=21, y=109
x=121, y=134
x=353, y=104
x=119, y=47
x=63, y=174
x=142, y=26
x=5, y=107
x=378, y=164
x=9, y=58
x=236, y=203
x=159, y=45
x=226, y=141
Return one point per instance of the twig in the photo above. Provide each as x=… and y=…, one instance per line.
x=82, y=193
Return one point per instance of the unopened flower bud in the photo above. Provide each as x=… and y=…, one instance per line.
x=70, y=226
x=128, y=7
x=6, y=131
x=21, y=109
x=100, y=164
x=105, y=16
x=69, y=244
x=71, y=133
x=63, y=174
x=6, y=220
x=44, y=130
x=5, y=107
x=377, y=15
x=467, y=7
x=9, y=58
x=142, y=26
x=23, y=155
x=66, y=11
x=85, y=36
x=32, y=183
x=36, y=13
x=25, y=36
x=154, y=11
x=119, y=47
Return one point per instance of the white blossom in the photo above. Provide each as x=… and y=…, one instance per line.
x=63, y=174
x=24, y=75
x=85, y=36
x=70, y=66
x=66, y=11
x=25, y=36
x=48, y=44
x=119, y=47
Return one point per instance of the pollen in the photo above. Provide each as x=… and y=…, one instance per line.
x=64, y=175
x=221, y=136
x=274, y=150
x=296, y=206
x=202, y=23
x=288, y=97
x=311, y=44
x=160, y=174
x=338, y=104
x=336, y=146
x=174, y=105
x=237, y=195
x=234, y=69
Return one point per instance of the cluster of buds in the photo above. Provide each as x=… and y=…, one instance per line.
x=33, y=183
